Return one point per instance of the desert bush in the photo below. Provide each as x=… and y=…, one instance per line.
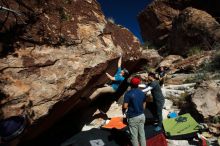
x=194, y=51
x=198, y=77
x=110, y=19
x=213, y=65
x=216, y=60
x=149, y=45
x=63, y=14
x=216, y=119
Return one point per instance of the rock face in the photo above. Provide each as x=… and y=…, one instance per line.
x=206, y=98
x=156, y=22
x=193, y=28
x=194, y=62
x=152, y=56
x=52, y=23
x=55, y=52
x=170, y=60
x=180, y=25
x=190, y=64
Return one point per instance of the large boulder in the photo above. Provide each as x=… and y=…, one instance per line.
x=207, y=99
x=54, y=52
x=195, y=62
x=170, y=60
x=192, y=63
x=156, y=21
x=193, y=29
x=152, y=56
x=165, y=22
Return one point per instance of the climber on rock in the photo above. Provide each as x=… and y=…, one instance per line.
x=116, y=80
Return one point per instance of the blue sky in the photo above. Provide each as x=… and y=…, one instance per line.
x=125, y=12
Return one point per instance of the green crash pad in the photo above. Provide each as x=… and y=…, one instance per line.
x=182, y=126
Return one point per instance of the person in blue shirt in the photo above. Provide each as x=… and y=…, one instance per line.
x=116, y=80
x=134, y=103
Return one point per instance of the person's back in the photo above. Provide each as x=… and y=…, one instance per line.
x=135, y=98
x=134, y=103
x=118, y=79
x=156, y=91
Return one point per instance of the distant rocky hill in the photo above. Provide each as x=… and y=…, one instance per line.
x=181, y=25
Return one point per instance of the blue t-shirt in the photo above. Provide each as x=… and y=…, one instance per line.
x=135, y=99
x=118, y=79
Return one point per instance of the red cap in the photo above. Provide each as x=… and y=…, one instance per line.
x=135, y=81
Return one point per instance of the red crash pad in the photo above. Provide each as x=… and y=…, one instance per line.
x=158, y=140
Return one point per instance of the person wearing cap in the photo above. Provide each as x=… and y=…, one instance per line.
x=134, y=104
x=116, y=80
x=158, y=98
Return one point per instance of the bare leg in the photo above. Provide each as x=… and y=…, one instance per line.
x=102, y=90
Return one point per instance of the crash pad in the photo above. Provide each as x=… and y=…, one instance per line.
x=157, y=140
x=183, y=126
x=99, y=137
x=115, y=122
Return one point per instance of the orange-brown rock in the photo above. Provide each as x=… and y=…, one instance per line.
x=55, y=52
x=193, y=29
x=180, y=25
x=194, y=62
x=170, y=60
x=189, y=64
x=206, y=99
x=156, y=21
x=152, y=57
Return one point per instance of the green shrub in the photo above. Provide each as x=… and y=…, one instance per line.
x=184, y=96
x=110, y=19
x=149, y=45
x=216, y=46
x=63, y=14
x=216, y=119
x=213, y=65
x=180, y=100
x=197, y=77
x=216, y=60
x=194, y=51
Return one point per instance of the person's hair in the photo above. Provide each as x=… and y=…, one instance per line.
x=153, y=75
x=126, y=72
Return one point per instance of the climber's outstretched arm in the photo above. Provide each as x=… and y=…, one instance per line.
x=110, y=77
x=119, y=61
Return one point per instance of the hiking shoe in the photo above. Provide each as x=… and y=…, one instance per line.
x=158, y=128
x=102, y=112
